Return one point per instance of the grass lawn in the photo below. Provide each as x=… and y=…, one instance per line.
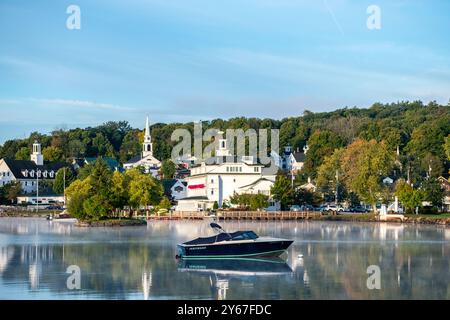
x=431, y=216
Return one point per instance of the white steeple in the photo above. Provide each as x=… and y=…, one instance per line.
x=147, y=147
x=37, y=156
x=222, y=150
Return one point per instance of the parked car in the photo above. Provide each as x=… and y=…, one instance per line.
x=333, y=208
x=295, y=207
x=308, y=207
x=358, y=209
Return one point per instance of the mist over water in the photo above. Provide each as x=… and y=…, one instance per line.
x=328, y=260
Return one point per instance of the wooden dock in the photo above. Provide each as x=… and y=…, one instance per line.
x=266, y=215
x=238, y=215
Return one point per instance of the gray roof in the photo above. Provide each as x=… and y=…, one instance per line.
x=299, y=156
x=17, y=166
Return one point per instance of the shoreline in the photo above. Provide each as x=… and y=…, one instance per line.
x=409, y=219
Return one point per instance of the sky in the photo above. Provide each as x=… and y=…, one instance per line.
x=190, y=60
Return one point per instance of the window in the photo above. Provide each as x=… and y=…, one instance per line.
x=45, y=174
x=234, y=180
x=31, y=173
x=212, y=180
x=240, y=169
x=52, y=173
x=228, y=169
x=212, y=192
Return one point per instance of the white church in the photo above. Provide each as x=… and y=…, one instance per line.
x=228, y=174
x=146, y=159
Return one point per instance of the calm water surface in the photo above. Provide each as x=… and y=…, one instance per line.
x=328, y=260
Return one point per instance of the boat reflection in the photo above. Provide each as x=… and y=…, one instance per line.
x=242, y=267
x=222, y=271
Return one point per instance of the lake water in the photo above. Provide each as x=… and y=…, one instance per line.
x=328, y=260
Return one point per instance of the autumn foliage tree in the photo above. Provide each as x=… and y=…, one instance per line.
x=364, y=164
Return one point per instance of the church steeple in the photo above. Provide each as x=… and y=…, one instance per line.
x=37, y=156
x=147, y=147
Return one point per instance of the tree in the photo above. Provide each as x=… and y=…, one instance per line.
x=52, y=154
x=23, y=154
x=328, y=173
x=447, y=146
x=164, y=205
x=409, y=197
x=433, y=192
x=119, y=190
x=144, y=191
x=364, y=163
x=58, y=183
x=321, y=143
x=168, y=169
x=259, y=201
x=215, y=205
x=96, y=207
x=12, y=190
x=282, y=191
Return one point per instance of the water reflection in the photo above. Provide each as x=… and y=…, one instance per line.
x=328, y=260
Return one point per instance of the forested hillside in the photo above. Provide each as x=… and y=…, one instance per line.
x=419, y=130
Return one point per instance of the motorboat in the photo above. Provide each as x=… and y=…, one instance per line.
x=232, y=245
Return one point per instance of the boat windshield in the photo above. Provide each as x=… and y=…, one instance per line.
x=238, y=235
x=244, y=235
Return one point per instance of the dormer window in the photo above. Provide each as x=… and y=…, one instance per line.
x=32, y=173
x=25, y=173
x=39, y=173
x=52, y=173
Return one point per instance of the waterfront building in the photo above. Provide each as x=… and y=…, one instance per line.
x=29, y=172
x=224, y=175
x=174, y=189
x=146, y=158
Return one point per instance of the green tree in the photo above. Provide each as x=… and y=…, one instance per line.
x=321, y=143
x=447, y=146
x=409, y=197
x=364, y=164
x=433, y=192
x=52, y=154
x=96, y=207
x=58, y=183
x=259, y=201
x=12, y=190
x=328, y=172
x=23, y=154
x=119, y=190
x=144, y=190
x=168, y=169
x=282, y=191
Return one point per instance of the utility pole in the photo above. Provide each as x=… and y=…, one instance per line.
x=337, y=185
x=64, y=192
x=37, y=191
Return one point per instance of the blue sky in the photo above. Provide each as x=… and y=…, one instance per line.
x=184, y=60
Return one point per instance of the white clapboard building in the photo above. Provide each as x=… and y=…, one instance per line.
x=28, y=172
x=227, y=174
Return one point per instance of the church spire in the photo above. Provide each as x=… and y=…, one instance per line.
x=147, y=128
x=147, y=147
